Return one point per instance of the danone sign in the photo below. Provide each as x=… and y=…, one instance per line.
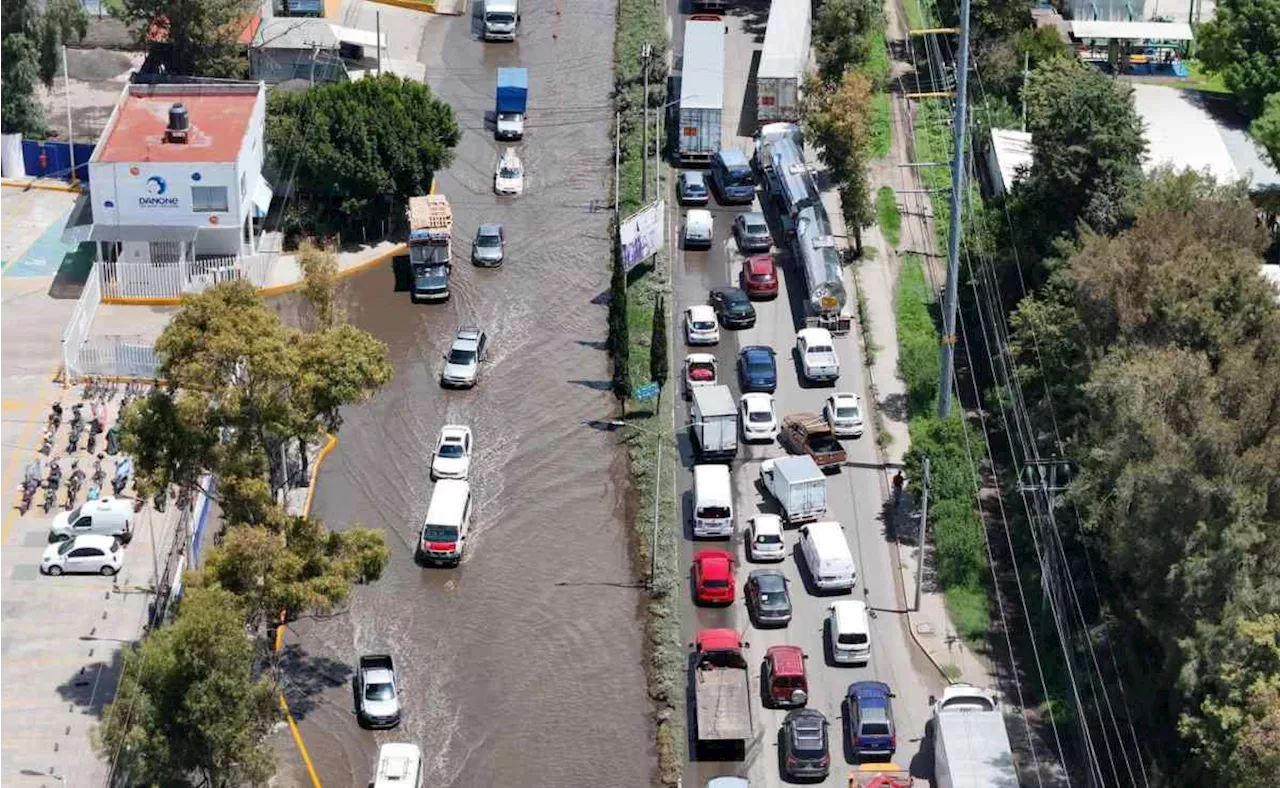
x=156, y=194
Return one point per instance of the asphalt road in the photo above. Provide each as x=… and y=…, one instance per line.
x=856, y=495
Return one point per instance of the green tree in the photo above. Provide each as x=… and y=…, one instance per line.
x=990, y=20
x=1088, y=147
x=203, y=35
x=1266, y=128
x=239, y=381
x=32, y=39
x=619, y=329
x=188, y=710
x=293, y=566
x=842, y=35
x=359, y=150
x=836, y=119
x=1242, y=42
x=320, y=283
x=659, y=366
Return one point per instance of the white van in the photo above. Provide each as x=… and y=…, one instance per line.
x=399, y=766
x=849, y=632
x=104, y=517
x=712, y=501
x=827, y=556
x=444, y=532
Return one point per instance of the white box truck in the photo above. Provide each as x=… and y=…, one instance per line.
x=715, y=423
x=970, y=743
x=798, y=485
x=783, y=61
x=701, y=89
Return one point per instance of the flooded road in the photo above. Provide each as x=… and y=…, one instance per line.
x=523, y=666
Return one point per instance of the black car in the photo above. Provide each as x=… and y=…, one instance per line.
x=803, y=745
x=767, y=599
x=732, y=307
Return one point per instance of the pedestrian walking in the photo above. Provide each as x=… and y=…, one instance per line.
x=898, y=481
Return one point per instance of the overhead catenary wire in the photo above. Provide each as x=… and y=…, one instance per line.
x=1057, y=544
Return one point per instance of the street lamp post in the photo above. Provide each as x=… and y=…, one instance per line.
x=657, y=498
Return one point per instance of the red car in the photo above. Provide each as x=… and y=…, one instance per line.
x=713, y=577
x=760, y=276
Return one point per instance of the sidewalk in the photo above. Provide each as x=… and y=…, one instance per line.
x=286, y=274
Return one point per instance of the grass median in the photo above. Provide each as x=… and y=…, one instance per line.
x=648, y=434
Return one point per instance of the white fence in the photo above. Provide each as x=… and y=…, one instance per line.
x=181, y=277
x=73, y=336
x=115, y=356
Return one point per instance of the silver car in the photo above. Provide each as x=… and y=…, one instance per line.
x=462, y=362
x=752, y=233
x=488, y=248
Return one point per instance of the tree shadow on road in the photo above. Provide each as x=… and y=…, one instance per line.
x=93, y=685
x=305, y=677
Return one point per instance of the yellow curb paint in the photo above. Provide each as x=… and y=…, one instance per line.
x=315, y=472
x=49, y=187
x=284, y=704
x=142, y=301
x=7, y=405
x=398, y=249
x=413, y=5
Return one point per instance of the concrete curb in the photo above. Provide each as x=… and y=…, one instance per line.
x=284, y=704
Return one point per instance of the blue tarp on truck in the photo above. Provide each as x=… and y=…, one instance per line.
x=513, y=89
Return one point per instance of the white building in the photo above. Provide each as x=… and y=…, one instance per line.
x=177, y=175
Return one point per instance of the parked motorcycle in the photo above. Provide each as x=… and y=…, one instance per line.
x=73, y=441
x=51, y=486
x=124, y=469
x=113, y=441
x=73, y=484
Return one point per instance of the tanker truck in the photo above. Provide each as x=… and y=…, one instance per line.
x=779, y=159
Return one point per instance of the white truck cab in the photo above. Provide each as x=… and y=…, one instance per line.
x=501, y=19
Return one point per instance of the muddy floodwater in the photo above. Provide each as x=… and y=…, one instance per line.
x=523, y=666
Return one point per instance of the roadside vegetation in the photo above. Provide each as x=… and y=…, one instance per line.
x=1140, y=336
x=637, y=340
x=888, y=216
x=959, y=548
x=194, y=698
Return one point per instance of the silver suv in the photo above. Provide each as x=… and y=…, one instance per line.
x=462, y=362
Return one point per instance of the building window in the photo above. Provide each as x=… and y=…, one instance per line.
x=209, y=199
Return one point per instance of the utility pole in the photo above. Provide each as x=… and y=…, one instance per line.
x=953, y=232
x=924, y=518
x=378, y=40
x=653, y=535
x=71, y=140
x=645, y=53
x=1026, y=77
x=617, y=158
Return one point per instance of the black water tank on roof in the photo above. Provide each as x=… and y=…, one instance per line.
x=179, y=119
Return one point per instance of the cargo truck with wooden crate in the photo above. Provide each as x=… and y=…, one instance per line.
x=430, y=247
x=721, y=681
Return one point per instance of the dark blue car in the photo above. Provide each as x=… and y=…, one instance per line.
x=868, y=717
x=757, y=370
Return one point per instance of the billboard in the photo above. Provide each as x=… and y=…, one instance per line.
x=642, y=234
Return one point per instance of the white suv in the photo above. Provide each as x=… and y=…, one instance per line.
x=462, y=362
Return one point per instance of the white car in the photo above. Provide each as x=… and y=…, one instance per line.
x=92, y=553
x=764, y=538
x=843, y=413
x=452, y=458
x=759, y=419
x=700, y=369
x=817, y=355
x=698, y=229
x=509, y=176
x=700, y=326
